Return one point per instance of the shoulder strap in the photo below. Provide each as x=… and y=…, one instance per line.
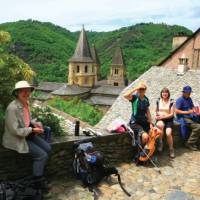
x=157, y=104
x=135, y=106
x=171, y=103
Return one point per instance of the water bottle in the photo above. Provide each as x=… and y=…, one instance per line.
x=76, y=130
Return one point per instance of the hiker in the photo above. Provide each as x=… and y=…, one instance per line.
x=188, y=119
x=164, y=119
x=21, y=132
x=141, y=120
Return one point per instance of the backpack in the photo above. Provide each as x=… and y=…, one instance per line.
x=90, y=167
x=22, y=189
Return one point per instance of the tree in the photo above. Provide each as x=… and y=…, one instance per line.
x=12, y=69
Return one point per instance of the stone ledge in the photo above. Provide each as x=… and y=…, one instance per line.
x=13, y=165
x=116, y=147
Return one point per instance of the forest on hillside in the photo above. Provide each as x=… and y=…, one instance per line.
x=47, y=47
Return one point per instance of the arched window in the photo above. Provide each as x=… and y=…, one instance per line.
x=116, y=71
x=77, y=69
x=86, y=68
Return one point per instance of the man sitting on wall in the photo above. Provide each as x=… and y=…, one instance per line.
x=188, y=119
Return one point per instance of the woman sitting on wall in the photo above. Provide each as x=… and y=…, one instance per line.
x=21, y=133
x=164, y=118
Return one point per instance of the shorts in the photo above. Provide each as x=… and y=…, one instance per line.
x=140, y=128
x=169, y=123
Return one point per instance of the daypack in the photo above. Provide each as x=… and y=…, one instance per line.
x=90, y=167
x=22, y=189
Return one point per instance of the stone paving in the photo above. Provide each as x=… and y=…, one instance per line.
x=179, y=180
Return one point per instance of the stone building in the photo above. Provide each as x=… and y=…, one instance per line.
x=97, y=63
x=82, y=67
x=189, y=47
x=117, y=75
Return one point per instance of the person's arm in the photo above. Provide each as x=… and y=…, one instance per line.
x=12, y=124
x=149, y=118
x=129, y=94
x=178, y=109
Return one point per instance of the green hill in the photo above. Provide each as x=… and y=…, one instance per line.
x=47, y=47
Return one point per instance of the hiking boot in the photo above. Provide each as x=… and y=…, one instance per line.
x=171, y=153
x=160, y=146
x=192, y=147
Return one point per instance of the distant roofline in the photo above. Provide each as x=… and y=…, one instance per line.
x=179, y=47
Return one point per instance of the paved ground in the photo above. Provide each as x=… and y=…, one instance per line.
x=180, y=180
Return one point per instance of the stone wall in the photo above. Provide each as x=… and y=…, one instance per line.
x=117, y=148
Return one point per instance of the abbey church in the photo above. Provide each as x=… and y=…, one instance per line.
x=84, y=65
x=84, y=77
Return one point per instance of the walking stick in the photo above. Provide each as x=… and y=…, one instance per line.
x=131, y=133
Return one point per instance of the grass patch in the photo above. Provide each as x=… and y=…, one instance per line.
x=78, y=109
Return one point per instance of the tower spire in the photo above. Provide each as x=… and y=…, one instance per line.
x=82, y=52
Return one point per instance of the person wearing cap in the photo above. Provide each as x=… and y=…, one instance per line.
x=21, y=132
x=185, y=116
x=141, y=120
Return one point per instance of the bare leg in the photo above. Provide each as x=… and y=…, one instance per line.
x=160, y=125
x=169, y=137
x=145, y=138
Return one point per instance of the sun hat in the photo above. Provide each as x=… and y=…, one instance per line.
x=21, y=85
x=187, y=89
x=141, y=85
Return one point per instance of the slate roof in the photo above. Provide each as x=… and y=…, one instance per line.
x=118, y=58
x=162, y=77
x=70, y=90
x=82, y=52
x=95, y=56
x=49, y=86
x=107, y=90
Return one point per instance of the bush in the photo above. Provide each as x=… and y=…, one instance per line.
x=77, y=108
x=45, y=116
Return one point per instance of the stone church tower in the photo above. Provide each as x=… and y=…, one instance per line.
x=97, y=63
x=117, y=75
x=82, y=67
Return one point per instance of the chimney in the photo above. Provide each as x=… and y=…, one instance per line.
x=178, y=39
x=183, y=65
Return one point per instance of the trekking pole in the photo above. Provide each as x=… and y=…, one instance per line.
x=131, y=133
x=121, y=185
x=153, y=163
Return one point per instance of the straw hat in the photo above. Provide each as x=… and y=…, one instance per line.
x=141, y=85
x=21, y=85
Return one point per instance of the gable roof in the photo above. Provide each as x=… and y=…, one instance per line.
x=118, y=58
x=179, y=47
x=95, y=56
x=82, y=52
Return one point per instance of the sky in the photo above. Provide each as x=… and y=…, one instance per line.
x=103, y=15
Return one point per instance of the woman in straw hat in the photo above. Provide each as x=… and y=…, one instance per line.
x=141, y=120
x=21, y=133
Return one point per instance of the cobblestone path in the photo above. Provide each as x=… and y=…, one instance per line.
x=179, y=180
